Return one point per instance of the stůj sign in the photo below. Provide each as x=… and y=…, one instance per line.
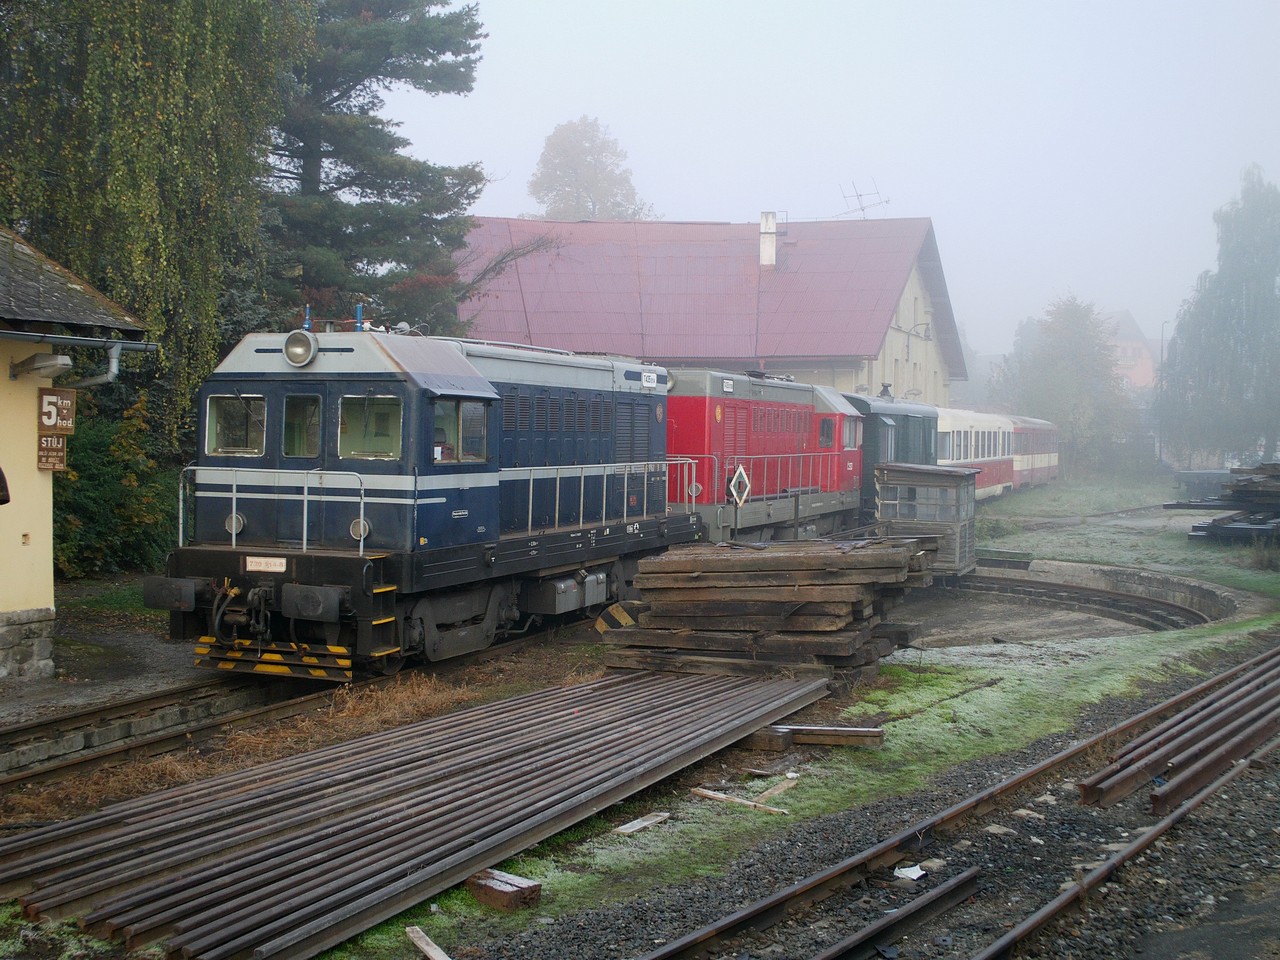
x=57, y=421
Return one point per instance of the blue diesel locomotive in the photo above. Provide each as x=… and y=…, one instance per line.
x=362, y=497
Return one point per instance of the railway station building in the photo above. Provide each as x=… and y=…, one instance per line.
x=851, y=304
x=45, y=310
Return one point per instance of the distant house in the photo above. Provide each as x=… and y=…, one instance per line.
x=853, y=304
x=42, y=307
x=1136, y=360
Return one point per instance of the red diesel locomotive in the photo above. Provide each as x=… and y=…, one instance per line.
x=777, y=458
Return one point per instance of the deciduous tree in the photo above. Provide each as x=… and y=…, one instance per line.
x=134, y=136
x=580, y=176
x=1063, y=369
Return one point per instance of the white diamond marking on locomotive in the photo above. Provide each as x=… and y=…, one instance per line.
x=740, y=486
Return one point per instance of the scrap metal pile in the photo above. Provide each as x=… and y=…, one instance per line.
x=1249, y=505
x=803, y=607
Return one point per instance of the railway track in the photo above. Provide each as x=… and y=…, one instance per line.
x=973, y=897
x=195, y=714
x=1148, y=612
x=176, y=718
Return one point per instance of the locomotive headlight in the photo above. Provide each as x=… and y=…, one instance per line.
x=234, y=523
x=301, y=347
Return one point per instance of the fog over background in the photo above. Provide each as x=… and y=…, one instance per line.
x=1059, y=148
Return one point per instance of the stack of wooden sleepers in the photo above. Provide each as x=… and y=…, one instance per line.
x=1251, y=501
x=812, y=607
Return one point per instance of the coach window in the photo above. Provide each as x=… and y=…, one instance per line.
x=369, y=428
x=301, y=426
x=852, y=433
x=236, y=426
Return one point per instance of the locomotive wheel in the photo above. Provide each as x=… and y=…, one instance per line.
x=388, y=666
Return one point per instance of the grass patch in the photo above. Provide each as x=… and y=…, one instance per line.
x=22, y=939
x=1080, y=498
x=108, y=598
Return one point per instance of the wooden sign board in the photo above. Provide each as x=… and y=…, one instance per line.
x=51, y=454
x=57, y=411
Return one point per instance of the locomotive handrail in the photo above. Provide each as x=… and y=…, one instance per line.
x=579, y=473
x=277, y=474
x=793, y=473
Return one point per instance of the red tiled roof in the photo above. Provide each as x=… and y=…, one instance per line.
x=697, y=292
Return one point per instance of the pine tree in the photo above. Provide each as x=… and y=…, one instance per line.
x=358, y=221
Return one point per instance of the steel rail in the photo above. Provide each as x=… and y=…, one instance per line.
x=1099, y=875
x=866, y=943
x=331, y=924
x=13, y=734
x=439, y=801
x=181, y=736
x=1192, y=744
x=1196, y=775
x=357, y=831
x=326, y=778
x=1259, y=671
x=399, y=878
x=360, y=833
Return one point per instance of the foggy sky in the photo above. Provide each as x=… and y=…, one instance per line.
x=1059, y=148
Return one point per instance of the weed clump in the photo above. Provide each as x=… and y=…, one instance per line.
x=1264, y=554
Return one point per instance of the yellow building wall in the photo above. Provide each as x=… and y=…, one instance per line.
x=26, y=522
x=910, y=361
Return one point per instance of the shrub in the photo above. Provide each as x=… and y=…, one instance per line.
x=113, y=508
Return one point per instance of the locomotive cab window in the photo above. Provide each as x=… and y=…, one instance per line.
x=369, y=428
x=460, y=432
x=826, y=432
x=301, y=436
x=235, y=426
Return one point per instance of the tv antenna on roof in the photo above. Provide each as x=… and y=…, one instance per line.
x=859, y=203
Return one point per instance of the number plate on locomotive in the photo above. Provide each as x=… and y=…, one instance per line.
x=265, y=564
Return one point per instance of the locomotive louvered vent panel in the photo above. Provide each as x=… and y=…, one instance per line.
x=570, y=415
x=523, y=410
x=540, y=406
x=640, y=448
x=553, y=414
x=582, y=414
x=624, y=448
x=739, y=448
x=509, y=412
x=597, y=415
x=608, y=418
